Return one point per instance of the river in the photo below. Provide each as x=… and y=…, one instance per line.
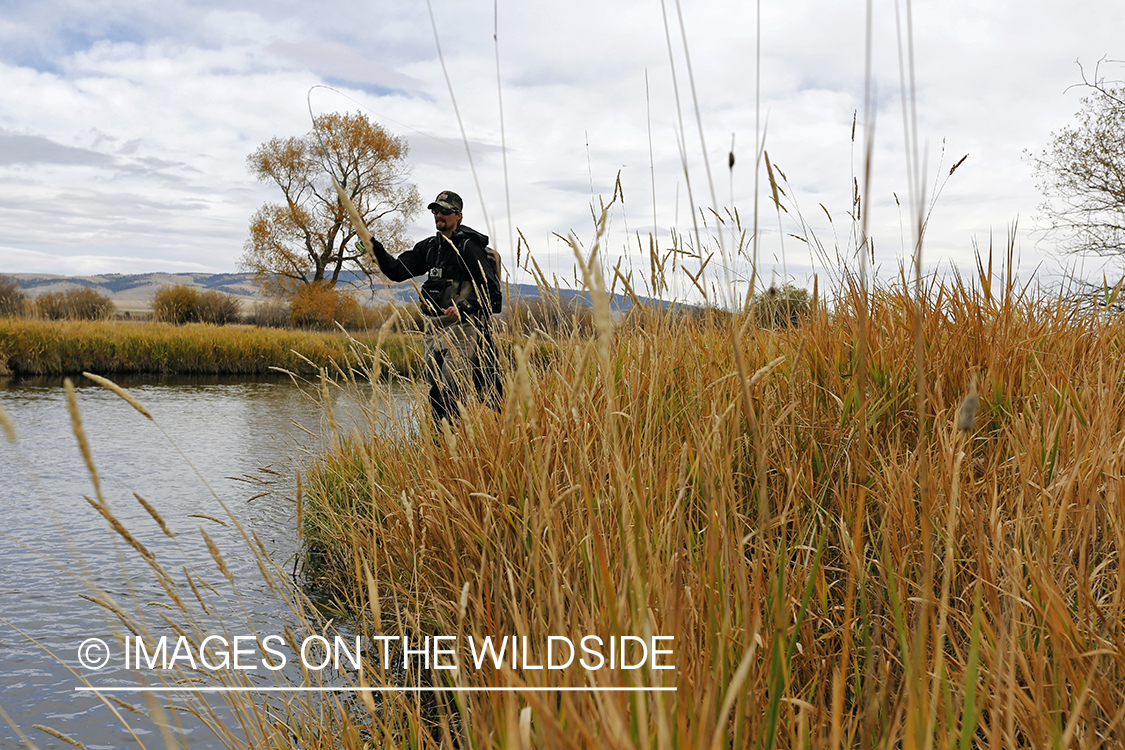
x=213, y=442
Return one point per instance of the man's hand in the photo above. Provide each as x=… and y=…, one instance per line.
x=452, y=313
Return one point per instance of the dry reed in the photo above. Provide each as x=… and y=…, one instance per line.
x=810, y=603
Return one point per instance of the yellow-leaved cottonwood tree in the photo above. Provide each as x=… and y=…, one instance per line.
x=308, y=238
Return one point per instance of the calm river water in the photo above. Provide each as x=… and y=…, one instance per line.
x=54, y=546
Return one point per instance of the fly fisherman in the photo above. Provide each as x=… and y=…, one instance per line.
x=459, y=296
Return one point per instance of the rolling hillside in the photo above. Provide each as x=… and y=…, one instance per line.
x=133, y=292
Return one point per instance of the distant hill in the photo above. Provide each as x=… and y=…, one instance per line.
x=133, y=292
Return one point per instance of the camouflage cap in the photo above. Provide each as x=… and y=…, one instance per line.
x=449, y=200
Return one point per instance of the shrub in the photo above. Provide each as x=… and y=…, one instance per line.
x=88, y=304
x=218, y=308
x=80, y=303
x=181, y=304
x=409, y=316
x=779, y=308
x=321, y=305
x=175, y=304
x=277, y=313
x=51, y=305
x=13, y=299
x=270, y=313
x=550, y=315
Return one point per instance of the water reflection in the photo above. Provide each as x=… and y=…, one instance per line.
x=216, y=442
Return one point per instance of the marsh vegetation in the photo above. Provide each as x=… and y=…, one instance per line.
x=840, y=565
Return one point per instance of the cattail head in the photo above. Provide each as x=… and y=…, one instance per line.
x=967, y=412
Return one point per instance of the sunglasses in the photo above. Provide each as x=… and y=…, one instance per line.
x=443, y=211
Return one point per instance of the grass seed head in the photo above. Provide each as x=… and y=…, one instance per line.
x=59, y=735
x=80, y=435
x=7, y=424
x=107, y=383
x=155, y=515
x=120, y=529
x=217, y=556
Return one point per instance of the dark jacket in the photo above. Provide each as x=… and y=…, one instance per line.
x=458, y=268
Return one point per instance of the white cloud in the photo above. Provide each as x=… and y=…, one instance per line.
x=21, y=260
x=127, y=124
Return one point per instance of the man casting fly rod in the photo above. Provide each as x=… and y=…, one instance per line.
x=459, y=297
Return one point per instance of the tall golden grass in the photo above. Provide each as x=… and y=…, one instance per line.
x=838, y=569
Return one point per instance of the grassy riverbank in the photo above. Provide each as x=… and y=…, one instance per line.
x=840, y=565
x=44, y=347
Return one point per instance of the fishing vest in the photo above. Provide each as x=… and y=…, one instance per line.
x=448, y=281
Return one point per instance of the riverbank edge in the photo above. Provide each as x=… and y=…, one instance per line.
x=30, y=347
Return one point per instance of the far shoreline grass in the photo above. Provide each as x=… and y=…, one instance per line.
x=30, y=347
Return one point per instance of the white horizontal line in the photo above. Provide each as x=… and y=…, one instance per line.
x=392, y=689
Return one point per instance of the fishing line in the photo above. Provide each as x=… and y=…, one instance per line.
x=316, y=130
x=759, y=138
x=651, y=160
x=457, y=112
x=679, y=143
x=503, y=140
x=382, y=117
x=699, y=126
x=357, y=221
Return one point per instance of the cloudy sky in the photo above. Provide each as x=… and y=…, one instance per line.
x=125, y=125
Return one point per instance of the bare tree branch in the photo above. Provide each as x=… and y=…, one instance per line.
x=1082, y=173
